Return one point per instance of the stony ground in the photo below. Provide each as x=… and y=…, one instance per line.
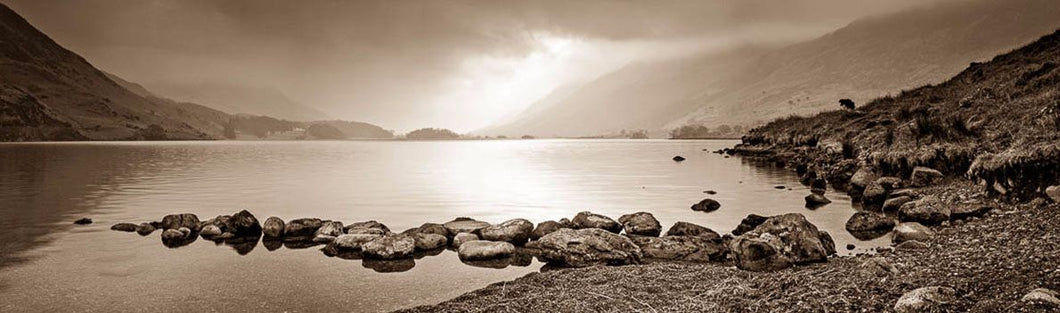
x=991, y=262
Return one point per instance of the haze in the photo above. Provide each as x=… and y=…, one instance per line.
x=403, y=65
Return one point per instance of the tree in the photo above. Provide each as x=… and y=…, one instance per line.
x=846, y=103
x=432, y=133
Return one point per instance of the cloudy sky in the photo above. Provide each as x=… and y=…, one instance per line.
x=411, y=64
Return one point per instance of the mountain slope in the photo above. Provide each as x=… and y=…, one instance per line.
x=866, y=59
x=239, y=99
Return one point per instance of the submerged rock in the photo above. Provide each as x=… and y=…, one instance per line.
x=925, y=299
x=778, y=243
x=302, y=227
x=125, y=227
x=273, y=227
x=175, y=221
x=640, y=223
x=689, y=229
x=912, y=231
x=924, y=176
x=464, y=225
x=390, y=247
x=927, y=210
x=682, y=248
x=516, y=231
x=461, y=238
x=586, y=219
x=545, y=228
x=485, y=250
x=83, y=221
x=706, y=205
x=587, y=247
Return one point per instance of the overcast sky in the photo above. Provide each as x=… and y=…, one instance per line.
x=411, y=64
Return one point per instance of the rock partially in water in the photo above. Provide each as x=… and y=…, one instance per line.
x=461, y=238
x=924, y=176
x=302, y=227
x=428, y=241
x=125, y=227
x=925, y=299
x=175, y=221
x=912, y=231
x=516, y=231
x=243, y=223
x=586, y=247
x=433, y=228
x=172, y=235
x=485, y=250
x=352, y=242
x=390, y=247
x=178, y=237
x=682, y=248
x=640, y=223
x=749, y=223
x=464, y=225
x=145, y=229
x=83, y=221
x=678, y=158
x=586, y=219
x=273, y=227
x=778, y=243
x=210, y=231
x=928, y=210
x=893, y=204
x=545, y=228
x=814, y=200
x=689, y=229
x=706, y=205
x=221, y=221
x=330, y=228
x=869, y=222
x=368, y=228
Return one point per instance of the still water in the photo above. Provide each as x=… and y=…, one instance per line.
x=48, y=264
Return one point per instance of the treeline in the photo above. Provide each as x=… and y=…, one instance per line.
x=700, y=131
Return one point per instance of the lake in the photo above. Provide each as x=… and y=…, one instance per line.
x=49, y=264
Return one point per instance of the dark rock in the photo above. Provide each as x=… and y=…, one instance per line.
x=545, y=228
x=145, y=229
x=819, y=184
x=779, y=187
x=175, y=221
x=889, y=183
x=329, y=229
x=273, y=227
x=126, y=227
x=389, y=266
x=749, y=223
x=863, y=177
x=586, y=219
x=302, y=227
x=566, y=223
x=874, y=194
x=706, y=205
x=640, y=223
x=221, y=221
x=172, y=235
x=814, y=200
x=867, y=221
x=893, y=204
x=432, y=228
x=679, y=158
x=210, y=231
x=682, y=248
x=271, y=244
x=429, y=241
x=689, y=229
x=912, y=231
x=389, y=247
x=710, y=192
x=461, y=238
x=83, y=221
x=156, y=224
x=925, y=299
x=377, y=228
x=928, y=210
x=827, y=242
x=586, y=247
x=516, y=231
x=778, y=243
x=485, y=250
x=968, y=210
x=850, y=246
x=243, y=223
x=464, y=225
x=924, y=176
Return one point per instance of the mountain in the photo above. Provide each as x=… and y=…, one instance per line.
x=240, y=99
x=50, y=93
x=868, y=58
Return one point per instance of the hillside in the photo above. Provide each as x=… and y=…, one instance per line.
x=239, y=99
x=869, y=58
x=50, y=93
x=997, y=122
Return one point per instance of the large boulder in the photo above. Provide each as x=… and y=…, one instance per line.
x=874, y=194
x=352, y=242
x=586, y=219
x=175, y=221
x=689, y=229
x=389, y=247
x=924, y=176
x=706, y=205
x=429, y=241
x=302, y=227
x=461, y=238
x=587, y=247
x=330, y=228
x=545, y=228
x=749, y=223
x=368, y=228
x=273, y=227
x=864, y=176
x=889, y=183
x=516, y=231
x=893, y=204
x=485, y=250
x=778, y=243
x=911, y=231
x=928, y=210
x=925, y=299
x=243, y=223
x=640, y=223
x=681, y=248
x=464, y=225
x=868, y=221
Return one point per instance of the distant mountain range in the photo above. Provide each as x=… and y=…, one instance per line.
x=50, y=93
x=747, y=86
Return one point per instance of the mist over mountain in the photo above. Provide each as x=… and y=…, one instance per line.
x=868, y=58
x=241, y=99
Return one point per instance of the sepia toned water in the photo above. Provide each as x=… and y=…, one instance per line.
x=48, y=264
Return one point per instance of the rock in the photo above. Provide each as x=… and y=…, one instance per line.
x=925, y=299
x=464, y=225
x=640, y=223
x=924, y=176
x=863, y=177
x=816, y=200
x=681, y=248
x=273, y=227
x=302, y=227
x=851, y=246
x=749, y=223
x=377, y=228
x=566, y=223
x=1053, y=192
x=1043, y=296
x=893, y=204
x=461, y=238
x=706, y=205
x=390, y=247
x=778, y=243
x=867, y=221
x=912, y=231
x=969, y=210
x=586, y=219
x=221, y=221
x=689, y=229
x=889, y=183
x=322, y=238
x=172, y=235
x=928, y=210
x=586, y=247
x=779, y=187
x=878, y=266
x=485, y=250
x=912, y=194
x=874, y=194
x=912, y=245
x=126, y=227
x=83, y=221
x=431, y=228
x=145, y=229
x=545, y=228
x=710, y=192
x=243, y=223
x=679, y=158
x=516, y=231
x=330, y=228
x=174, y=221
x=184, y=230
x=210, y=231
x=429, y=241
x=827, y=242
x=352, y=242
